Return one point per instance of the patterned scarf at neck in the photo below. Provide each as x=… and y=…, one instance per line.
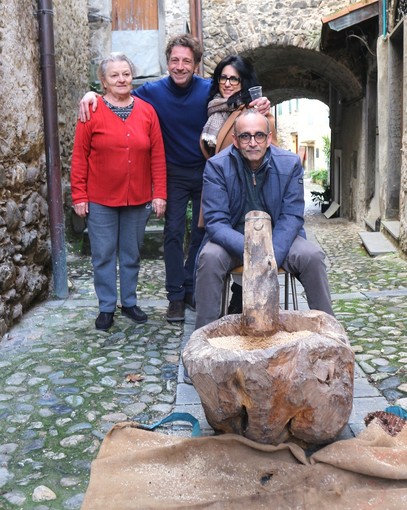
x=219, y=110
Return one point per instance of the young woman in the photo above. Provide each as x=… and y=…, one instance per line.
x=228, y=97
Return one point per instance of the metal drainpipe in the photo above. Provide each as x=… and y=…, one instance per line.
x=195, y=13
x=384, y=21
x=49, y=104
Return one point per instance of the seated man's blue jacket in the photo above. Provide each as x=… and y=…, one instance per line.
x=224, y=196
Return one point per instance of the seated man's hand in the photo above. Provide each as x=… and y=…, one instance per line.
x=90, y=98
x=262, y=104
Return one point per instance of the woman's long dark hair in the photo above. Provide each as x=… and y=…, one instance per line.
x=246, y=72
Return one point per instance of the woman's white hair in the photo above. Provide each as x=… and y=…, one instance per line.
x=115, y=57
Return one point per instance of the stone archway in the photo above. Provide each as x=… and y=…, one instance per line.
x=283, y=41
x=287, y=72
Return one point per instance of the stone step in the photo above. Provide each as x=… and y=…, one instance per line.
x=370, y=224
x=332, y=210
x=392, y=227
x=153, y=240
x=154, y=229
x=376, y=243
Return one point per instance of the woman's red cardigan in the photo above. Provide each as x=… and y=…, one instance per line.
x=118, y=163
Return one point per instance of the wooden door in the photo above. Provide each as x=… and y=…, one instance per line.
x=134, y=14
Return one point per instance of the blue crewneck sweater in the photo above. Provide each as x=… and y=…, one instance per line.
x=182, y=112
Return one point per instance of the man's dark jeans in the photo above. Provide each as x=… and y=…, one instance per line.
x=183, y=184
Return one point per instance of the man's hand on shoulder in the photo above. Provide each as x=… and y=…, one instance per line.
x=90, y=98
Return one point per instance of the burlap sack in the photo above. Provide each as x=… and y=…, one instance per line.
x=138, y=469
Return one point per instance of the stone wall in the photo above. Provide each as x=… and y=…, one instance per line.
x=72, y=63
x=176, y=17
x=24, y=230
x=243, y=25
x=386, y=110
x=403, y=198
x=100, y=33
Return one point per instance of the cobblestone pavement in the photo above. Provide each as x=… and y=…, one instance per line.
x=63, y=384
x=370, y=300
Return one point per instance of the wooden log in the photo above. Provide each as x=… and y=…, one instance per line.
x=260, y=276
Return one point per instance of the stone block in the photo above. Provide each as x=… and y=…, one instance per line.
x=376, y=243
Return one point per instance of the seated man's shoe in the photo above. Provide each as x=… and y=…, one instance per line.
x=189, y=301
x=187, y=379
x=104, y=321
x=135, y=313
x=176, y=311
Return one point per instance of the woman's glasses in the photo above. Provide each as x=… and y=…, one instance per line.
x=233, y=80
x=259, y=137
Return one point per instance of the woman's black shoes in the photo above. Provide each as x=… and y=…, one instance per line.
x=104, y=321
x=134, y=313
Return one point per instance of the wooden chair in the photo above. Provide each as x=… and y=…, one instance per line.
x=237, y=274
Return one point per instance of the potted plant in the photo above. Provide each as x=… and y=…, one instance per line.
x=322, y=198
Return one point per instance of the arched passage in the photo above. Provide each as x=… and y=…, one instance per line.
x=287, y=72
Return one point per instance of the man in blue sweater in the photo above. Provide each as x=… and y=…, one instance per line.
x=180, y=101
x=252, y=175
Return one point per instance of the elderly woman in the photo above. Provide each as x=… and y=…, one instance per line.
x=118, y=176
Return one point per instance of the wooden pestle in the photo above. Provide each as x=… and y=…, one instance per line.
x=261, y=294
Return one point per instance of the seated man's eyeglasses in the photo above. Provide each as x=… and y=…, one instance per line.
x=233, y=80
x=259, y=137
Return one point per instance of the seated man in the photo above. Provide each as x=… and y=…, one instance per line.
x=251, y=175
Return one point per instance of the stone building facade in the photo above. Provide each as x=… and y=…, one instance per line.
x=327, y=50
x=391, y=170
